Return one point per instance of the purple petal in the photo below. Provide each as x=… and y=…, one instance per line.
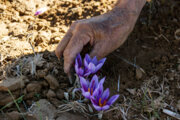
x=98, y=108
x=87, y=58
x=94, y=60
x=37, y=13
x=79, y=60
x=102, y=61
x=105, y=95
x=87, y=74
x=91, y=67
x=86, y=95
x=94, y=101
x=94, y=82
x=105, y=107
x=84, y=83
x=98, y=91
x=102, y=80
x=40, y=11
x=98, y=67
x=86, y=63
x=112, y=99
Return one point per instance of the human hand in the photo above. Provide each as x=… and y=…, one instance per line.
x=105, y=33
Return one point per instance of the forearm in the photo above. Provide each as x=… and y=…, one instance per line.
x=125, y=11
x=135, y=5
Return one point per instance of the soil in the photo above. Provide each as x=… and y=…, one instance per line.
x=147, y=64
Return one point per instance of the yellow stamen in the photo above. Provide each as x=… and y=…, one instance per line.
x=100, y=104
x=104, y=103
x=88, y=89
x=91, y=91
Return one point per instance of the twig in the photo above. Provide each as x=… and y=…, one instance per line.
x=118, y=89
x=136, y=66
x=171, y=113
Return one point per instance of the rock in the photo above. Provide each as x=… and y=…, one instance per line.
x=45, y=109
x=12, y=83
x=34, y=87
x=14, y=115
x=52, y=81
x=60, y=94
x=70, y=116
x=139, y=73
x=50, y=94
x=178, y=105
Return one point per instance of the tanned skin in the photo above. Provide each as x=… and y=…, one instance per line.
x=105, y=33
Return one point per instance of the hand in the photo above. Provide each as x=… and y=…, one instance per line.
x=105, y=33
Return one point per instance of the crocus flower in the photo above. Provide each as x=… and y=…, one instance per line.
x=92, y=65
x=100, y=100
x=40, y=11
x=79, y=65
x=89, y=87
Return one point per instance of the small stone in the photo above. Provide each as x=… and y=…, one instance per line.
x=34, y=87
x=139, y=73
x=12, y=83
x=50, y=94
x=52, y=81
x=60, y=94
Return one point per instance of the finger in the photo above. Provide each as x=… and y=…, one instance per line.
x=75, y=46
x=100, y=50
x=63, y=43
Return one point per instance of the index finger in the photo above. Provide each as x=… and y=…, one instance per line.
x=75, y=46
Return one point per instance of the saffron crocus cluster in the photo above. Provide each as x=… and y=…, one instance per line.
x=89, y=66
x=100, y=100
x=88, y=88
x=92, y=89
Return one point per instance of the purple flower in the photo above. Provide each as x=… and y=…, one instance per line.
x=100, y=100
x=92, y=65
x=79, y=65
x=40, y=11
x=89, y=87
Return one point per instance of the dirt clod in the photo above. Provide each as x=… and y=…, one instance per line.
x=34, y=87
x=14, y=115
x=12, y=83
x=60, y=93
x=50, y=94
x=52, y=81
